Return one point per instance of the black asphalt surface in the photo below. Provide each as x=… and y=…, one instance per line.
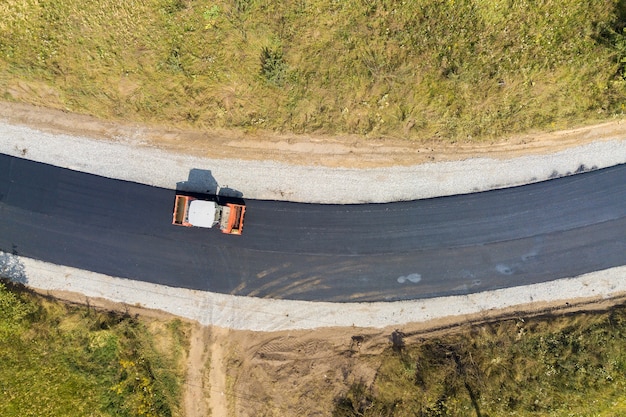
x=373, y=252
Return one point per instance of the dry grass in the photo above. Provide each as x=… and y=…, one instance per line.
x=424, y=69
x=551, y=366
x=61, y=360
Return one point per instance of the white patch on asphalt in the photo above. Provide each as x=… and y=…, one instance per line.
x=504, y=269
x=534, y=251
x=414, y=278
x=466, y=287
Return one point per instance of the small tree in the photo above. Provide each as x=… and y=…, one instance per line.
x=273, y=65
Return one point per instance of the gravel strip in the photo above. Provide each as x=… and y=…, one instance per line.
x=249, y=313
x=130, y=159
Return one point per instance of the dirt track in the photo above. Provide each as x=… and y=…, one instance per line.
x=341, y=151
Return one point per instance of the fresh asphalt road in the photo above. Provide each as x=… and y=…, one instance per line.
x=372, y=252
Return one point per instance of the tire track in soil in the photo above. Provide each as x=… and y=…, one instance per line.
x=195, y=395
x=218, y=401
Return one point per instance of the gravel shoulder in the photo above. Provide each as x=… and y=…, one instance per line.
x=303, y=169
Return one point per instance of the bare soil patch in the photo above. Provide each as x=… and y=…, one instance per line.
x=195, y=395
x=219, y=398
x=318, y=150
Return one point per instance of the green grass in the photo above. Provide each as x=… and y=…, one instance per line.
x=61, y=360
x=551, y=366
x=423, y=69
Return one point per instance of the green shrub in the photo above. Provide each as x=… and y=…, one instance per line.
x=272, y=65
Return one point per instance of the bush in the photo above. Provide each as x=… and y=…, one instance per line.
x=273, y=65
x=557, y=366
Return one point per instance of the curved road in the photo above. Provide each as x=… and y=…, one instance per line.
x=376, y=252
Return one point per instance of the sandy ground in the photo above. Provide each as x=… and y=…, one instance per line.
x=337, y=151
x=195, y=394
x=274, y=357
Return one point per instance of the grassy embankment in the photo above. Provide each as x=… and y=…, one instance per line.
x=551, y=366
x=453, y=69
x=61, y=360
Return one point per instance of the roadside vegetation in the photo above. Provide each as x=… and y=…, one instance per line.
x=425, y=69
x=63, y=360
x=59, y=359
x=571, y=365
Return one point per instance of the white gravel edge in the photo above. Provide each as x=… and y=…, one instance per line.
x=130, y=159
x=247, y=313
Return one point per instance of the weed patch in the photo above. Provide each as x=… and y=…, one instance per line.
x=60, y=360
x=556, y=366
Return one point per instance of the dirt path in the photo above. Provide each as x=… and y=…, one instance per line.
x=194, y=397
x=218, y=401
x=205, y=387
x=347, y=151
